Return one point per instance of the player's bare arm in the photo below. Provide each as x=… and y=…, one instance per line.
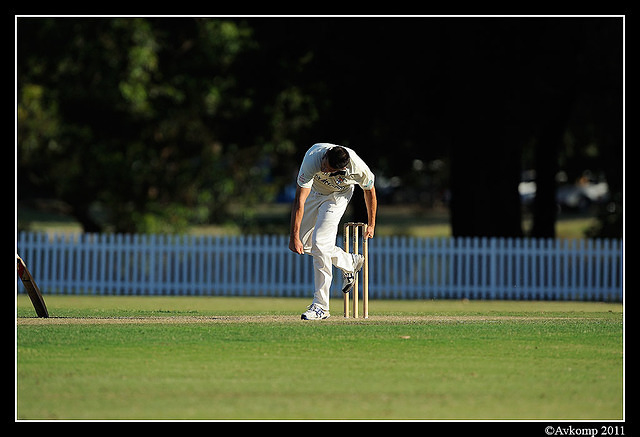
x=297, y=211
x=371, y=201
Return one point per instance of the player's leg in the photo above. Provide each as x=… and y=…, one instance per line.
x=349, y=263
x=308, y=223
x=312, y=206
x=324, y=250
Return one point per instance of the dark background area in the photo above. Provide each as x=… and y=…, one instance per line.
x=146, y=124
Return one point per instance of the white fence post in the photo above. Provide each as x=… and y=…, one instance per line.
x=400, y=267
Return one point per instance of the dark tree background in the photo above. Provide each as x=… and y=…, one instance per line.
x=150, y=124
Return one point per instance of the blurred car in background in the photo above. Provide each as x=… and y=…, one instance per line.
x=578, y=196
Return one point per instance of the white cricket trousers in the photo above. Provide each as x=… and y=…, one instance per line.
x=318, y=233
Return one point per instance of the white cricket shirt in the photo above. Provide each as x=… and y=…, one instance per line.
x=310, y=175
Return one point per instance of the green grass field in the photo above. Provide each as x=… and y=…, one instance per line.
x=172, y=358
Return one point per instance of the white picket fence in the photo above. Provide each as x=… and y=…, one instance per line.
x=262, y=265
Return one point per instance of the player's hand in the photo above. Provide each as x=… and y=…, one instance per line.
x=370, y=231
x=295, y=245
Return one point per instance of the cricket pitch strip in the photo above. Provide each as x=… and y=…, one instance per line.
x=294, y=318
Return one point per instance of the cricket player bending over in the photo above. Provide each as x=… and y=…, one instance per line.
x=325, y=185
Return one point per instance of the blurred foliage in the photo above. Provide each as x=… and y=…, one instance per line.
x=146, y=125
x=156, y=124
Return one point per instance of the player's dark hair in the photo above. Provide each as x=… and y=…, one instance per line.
x=338, y=157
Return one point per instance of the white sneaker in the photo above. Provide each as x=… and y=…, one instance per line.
x=314, y=312
x=349, y=278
